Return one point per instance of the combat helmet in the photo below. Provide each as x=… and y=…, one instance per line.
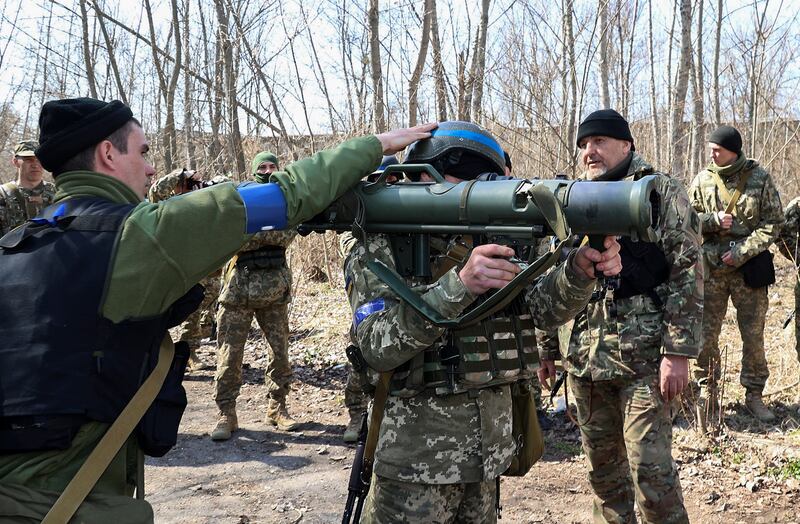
x=461, y=149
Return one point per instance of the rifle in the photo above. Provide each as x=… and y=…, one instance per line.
x=510, y=212
x=358, y=486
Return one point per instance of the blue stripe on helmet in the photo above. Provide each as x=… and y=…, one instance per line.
x=470, y=135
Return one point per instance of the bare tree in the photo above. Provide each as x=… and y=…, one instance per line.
x=479, y=63
x=378, y=106
x=717, y=42
x=112, y=59
x=698, y=92
x=653, y=96
x=87, y=55
x=235, y=138
x=188, y=105
x=167, y=85
x=438, y=66
x=569, y=72
x=413, y=84
x=605, y=31
x=678, y=137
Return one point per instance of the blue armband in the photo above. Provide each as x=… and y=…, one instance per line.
x=365, y=310
x=265, y=206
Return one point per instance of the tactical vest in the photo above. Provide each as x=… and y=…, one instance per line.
x=61, y=363
x=644, y=268
x=496, y=351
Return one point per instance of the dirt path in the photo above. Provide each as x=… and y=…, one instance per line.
x=749, y=474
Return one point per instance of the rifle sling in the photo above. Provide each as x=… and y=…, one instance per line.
x=99, y=459
x=378, y=407
x=730, y=205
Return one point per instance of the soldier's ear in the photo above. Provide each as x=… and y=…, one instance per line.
x=104, y=156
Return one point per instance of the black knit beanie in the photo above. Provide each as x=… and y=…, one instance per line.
x=605, y=122
x=68, y=126
x=728, y=137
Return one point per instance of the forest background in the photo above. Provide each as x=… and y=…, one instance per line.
x=214, y=80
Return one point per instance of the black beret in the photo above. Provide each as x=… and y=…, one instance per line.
x=605, y=122
x=68, y=126
x=728, y=137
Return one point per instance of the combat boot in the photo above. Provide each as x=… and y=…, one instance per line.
x=194, y=363
x=279, y=417
x=353, y=427
x=755, y=404
x=227, y=424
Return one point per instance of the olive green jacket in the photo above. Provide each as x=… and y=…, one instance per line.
x=163, y=250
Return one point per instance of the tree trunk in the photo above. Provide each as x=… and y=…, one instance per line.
x=170, y=133
x=378, y=106
x=479, y=64
x=653, y=95
x=188, y=104
x=464, y=89
x=698, y=90
x=416, y=75
x=605, y=31
x=112, y=58
x=87, y=55
x=717, y=39
x=438, y=66
x=235, y=137
x=570, y=82
x=678, y=140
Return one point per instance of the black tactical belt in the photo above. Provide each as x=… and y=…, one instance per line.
x=269, y=257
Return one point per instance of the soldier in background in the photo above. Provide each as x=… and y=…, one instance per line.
x=741, y=214
x=256, y=282
x=789, y=246
x=200, y=324
x=628, y=350
x=24, y=198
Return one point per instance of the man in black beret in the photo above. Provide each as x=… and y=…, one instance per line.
x=742, y=215
x=628, y=350
x=105, y=274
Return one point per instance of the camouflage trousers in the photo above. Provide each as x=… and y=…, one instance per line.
x=626, y=431
x=797, y=319
x=233, y=325
x=355, y=400
x=198, y=325
x=751, y=313
x=394, y=501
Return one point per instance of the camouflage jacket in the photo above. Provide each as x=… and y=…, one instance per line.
x=790, y=232
x=605, y=344
x=164, y=187
x=256, y=288
x=19, y=204
x=429, y=438
x=757, y=216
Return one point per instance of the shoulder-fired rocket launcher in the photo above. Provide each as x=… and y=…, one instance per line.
x=509, y=212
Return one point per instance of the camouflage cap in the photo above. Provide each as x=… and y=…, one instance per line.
x=26, y=148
